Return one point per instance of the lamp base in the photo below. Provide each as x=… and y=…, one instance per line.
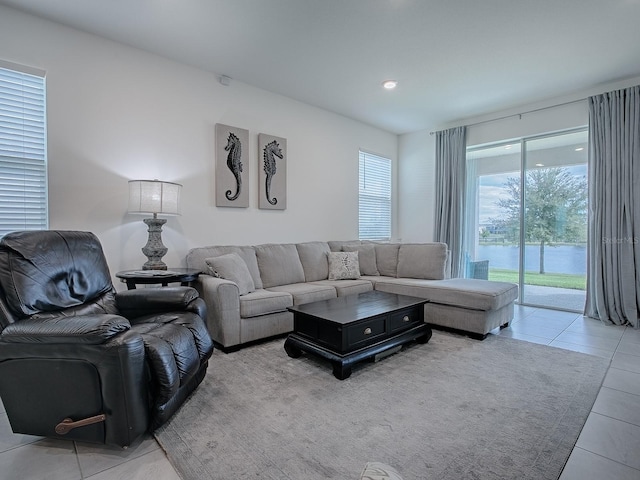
x=154, y=250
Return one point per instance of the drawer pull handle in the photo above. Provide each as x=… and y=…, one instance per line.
x=406, y=318
x=367, y=331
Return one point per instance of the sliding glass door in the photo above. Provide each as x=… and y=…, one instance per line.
x=527, y=217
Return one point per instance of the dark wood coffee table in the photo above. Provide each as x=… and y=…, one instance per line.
x=346, y=330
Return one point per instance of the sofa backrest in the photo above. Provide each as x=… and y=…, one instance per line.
x=387, y=258
x=272, y=264
x=422, y=260
x=196, y=258
x=314, y=257
x=428, y=260
x=279, y=264
x=366, y=257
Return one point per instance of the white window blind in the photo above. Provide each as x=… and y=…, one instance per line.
x=23, y=169
x=374, y=197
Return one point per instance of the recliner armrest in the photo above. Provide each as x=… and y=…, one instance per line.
x=145, y=301
x=82, y=329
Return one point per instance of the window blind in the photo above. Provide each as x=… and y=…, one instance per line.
x=23, y=169
x=374, y=212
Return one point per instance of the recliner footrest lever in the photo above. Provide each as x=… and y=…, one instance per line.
x=66, y=425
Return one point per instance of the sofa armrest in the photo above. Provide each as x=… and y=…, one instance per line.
x=222, y=299
x=82, y=329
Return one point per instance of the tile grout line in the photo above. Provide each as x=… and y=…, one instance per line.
x=614, y=418
x=606, y=458
x=75, y=449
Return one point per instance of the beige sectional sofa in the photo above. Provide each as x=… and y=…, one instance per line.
x=247, y=289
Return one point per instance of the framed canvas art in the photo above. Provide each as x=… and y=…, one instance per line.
x=272, y=153
x=232, y=167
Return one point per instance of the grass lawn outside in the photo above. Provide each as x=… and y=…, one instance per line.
x=558, y=280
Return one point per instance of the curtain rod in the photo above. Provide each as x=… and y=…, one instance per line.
x=520, y=114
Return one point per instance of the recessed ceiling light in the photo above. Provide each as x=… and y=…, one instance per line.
x=539, y=164
x=508, y=147
x=390, y=84
x=579, y=149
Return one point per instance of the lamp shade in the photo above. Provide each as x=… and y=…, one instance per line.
x=154, y=196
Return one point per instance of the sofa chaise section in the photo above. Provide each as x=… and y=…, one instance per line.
x=472, y=306
x=461, y=304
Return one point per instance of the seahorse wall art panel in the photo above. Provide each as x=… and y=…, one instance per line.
x=272, y=152
x=232, y=166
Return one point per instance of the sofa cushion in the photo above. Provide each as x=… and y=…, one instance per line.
x=468, y=293
x=264, y=302
x=232, y=267
x=366, y=257
x=313, y=256
x=343, y=266
x=196, y=258
x=306, y=292
x=387, y=258
x=474, y=293
x=279, y=264
x=425, y=260
x=348, y=287
x=373, y=279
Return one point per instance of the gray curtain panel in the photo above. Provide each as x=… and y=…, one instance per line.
x=451, y=154
x=613, y=272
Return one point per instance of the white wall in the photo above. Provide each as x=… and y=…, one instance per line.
x=116, y=113
x=416, y=160
x=416, y=186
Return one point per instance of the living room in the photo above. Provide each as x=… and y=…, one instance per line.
x=117, y=113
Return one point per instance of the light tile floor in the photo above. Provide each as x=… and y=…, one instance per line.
x=610, y=440
x=606, y=448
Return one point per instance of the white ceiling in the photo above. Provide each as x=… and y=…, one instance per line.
x=453, y=59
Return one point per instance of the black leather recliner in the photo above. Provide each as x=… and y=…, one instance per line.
x=79, y=360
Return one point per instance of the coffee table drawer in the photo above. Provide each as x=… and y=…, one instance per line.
x=405, y=319
x=364, y=332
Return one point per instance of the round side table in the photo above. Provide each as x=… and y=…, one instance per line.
x=163, y=277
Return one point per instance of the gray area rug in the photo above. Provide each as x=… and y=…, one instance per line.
x=453, y=408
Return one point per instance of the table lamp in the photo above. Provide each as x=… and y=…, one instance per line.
x=158, y=198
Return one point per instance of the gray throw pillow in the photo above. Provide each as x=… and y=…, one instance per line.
x=232, y=267
x=343, y=266
x=366, y=257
